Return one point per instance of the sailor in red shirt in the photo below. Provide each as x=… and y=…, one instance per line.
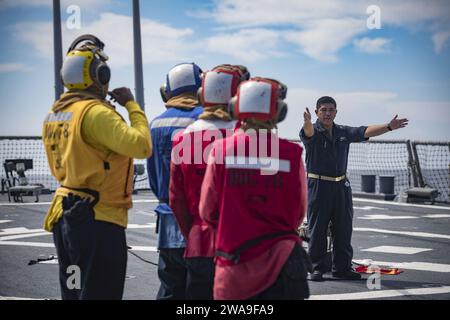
x=254, y=197
x=189, y=155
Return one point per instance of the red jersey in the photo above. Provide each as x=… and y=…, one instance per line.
x=254, y=186
x=189, y=158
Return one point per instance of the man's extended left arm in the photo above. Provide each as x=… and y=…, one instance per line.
x=376, y=130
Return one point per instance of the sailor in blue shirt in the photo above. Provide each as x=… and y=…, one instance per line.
x=179, y=93
x=329, y=192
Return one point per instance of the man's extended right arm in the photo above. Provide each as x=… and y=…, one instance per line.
x=308, y=127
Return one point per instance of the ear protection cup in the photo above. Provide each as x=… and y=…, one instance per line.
x=103, y=74
x=199, y=95
x=165, y=96
x=282, y=107
x=100, y=71
x=245, y=72
x=282, y=110
x=282, y=90
x=232, y=106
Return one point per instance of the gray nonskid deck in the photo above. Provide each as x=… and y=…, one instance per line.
x=414, y=238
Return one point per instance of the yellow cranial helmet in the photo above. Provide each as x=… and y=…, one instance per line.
x=85, y=65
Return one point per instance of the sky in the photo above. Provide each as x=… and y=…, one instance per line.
x=376, y=58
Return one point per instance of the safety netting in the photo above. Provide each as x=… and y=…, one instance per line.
x=378, y=157
x=32, y=148
x=434, y=162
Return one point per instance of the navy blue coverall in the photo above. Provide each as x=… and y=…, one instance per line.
x=329, y=200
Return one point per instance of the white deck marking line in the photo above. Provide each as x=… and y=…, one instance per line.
x=382, y=294
x=405, y=233
x=385, y=217
x=396, y=250
x=402, y=204
x=28, y=235
x=144, y=248
x=368, y=208
x=5, y=221
x=388, y=217
x=143, y=212
x=18, y=204
x=141, y=226
x=418, y=266
x=53, y=261
x=51, y=245
x=18, y=230
x=27, y=244
x=19, y=298
x=433, y=216
x=146, y=201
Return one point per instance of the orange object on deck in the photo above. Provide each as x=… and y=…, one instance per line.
x=369, y=269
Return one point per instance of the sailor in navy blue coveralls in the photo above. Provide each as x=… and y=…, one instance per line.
x=330, y=200
x=180, y=96
x=329, y=192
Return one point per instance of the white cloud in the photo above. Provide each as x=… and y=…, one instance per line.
x=357, y=108
x=322, y=39
x=49, y=3
x=298, y=12
x=319, y=29
x=13, y=67
x=439, y=40
x=38, y=34
x=160, y=42
x=20, y=3
x=275, y=12
x=430, y=112
x=373, y=45
x=322, y=28
x=248, y=45
x=411, y=13
x=351, y=102
x=428, y=120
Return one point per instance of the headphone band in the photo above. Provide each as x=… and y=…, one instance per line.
x=87, y=37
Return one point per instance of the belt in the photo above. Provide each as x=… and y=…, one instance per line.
x=236, y=255
x=326, y=178
x=93, y=193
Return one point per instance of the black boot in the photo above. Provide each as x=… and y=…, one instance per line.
x=348, y=275
x=316, y=276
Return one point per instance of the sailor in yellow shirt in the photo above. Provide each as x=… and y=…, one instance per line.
x=90, y=150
